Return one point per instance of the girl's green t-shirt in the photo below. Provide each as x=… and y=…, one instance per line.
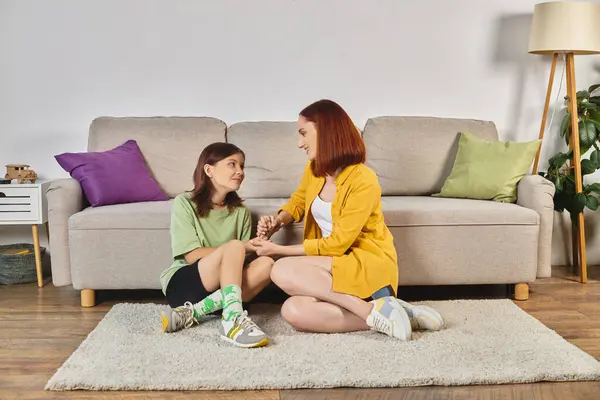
x=188, y=232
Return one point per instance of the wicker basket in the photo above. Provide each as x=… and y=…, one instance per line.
x=18, y=268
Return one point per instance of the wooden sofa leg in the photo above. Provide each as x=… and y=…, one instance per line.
x=521, y=291
x=88, y=298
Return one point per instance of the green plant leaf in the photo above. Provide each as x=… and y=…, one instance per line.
x=593, y=87
x=590, y=106
x=594, y=122
x=579, y=203
x=560, y=201
x=587, y=167
x=558, y=160
x=583, y=150
x=582, y=94
x=594, y=99
x=595, y=158
x=594, y=118
x=558, y=182
x=564, y=124
x=592, y=202
x=594, y=187
x=570, y=179
x=587, y=134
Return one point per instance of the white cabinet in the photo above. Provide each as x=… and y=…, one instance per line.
x=25, y=204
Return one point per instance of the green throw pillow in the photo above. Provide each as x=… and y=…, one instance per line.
x=488, y=170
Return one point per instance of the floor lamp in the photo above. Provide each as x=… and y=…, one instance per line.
x=569, y=28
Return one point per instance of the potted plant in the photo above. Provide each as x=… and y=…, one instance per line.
x=560, y=170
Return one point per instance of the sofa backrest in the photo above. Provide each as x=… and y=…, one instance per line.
x=274, y=163
x=411, y=155
x=170, y=145
x=415, y=155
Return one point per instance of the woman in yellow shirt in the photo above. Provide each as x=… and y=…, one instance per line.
x=344, y=275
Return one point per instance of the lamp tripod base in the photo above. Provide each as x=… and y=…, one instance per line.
x=578, y=226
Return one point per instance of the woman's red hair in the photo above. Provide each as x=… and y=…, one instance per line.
x=339, y=143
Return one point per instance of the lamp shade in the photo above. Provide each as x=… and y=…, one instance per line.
x=565, y=27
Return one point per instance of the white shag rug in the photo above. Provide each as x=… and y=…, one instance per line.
x=485, y=342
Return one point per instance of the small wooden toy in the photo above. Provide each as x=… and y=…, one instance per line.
x=20, y=172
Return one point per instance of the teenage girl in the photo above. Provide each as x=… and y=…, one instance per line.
x=210, y=238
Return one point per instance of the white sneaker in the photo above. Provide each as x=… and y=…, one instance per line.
x=178, y=318
x=422, y=317
x=242, y=332
x=393, y=321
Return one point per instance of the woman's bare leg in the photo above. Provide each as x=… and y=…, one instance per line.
x=309, y=314
x=310, y=277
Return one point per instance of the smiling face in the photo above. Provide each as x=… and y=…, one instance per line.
x=227, y=175
x=307, y=137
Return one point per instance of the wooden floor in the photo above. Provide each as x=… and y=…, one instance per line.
x=40, y=328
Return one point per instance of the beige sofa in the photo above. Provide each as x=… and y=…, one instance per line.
x=440, y=241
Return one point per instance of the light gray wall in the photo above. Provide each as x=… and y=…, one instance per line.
x=65, y=62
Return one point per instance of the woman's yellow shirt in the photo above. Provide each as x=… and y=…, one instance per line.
x=362, y=246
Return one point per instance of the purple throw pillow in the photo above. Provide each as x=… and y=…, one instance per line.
x=115, y=176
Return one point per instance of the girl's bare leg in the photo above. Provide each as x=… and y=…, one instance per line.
x=223, y=267
x=256, y=277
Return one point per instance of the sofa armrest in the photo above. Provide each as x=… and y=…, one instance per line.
x=65, y=198
x=537, y=193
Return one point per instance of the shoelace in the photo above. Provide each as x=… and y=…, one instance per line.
x=246, y=323
x=187, y=315
x=382, y=324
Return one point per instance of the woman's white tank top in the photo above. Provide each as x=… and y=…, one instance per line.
x=321, y=211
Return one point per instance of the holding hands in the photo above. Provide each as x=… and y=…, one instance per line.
x=264, y=247
x=267, y=226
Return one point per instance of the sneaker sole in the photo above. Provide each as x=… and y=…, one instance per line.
x=401, y=331
x=165, y=322
x=407, y=332
x=429, y=320
x=262, y=343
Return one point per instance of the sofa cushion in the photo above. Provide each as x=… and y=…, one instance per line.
x=274, y=163
x=488, y=170
x=114, y=176
x=119, y=258
x=431, y=211
x=398, y=211
x=171, y=145
x=155, y=215
x=415, y=155
x=466, y=255
x=260, y=207
x=146, y=215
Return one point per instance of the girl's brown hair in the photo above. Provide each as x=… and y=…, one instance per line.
x=203, y=186
x=339, y=143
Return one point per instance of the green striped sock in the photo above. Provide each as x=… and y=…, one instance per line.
x=232, y=301
x=209, y=304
